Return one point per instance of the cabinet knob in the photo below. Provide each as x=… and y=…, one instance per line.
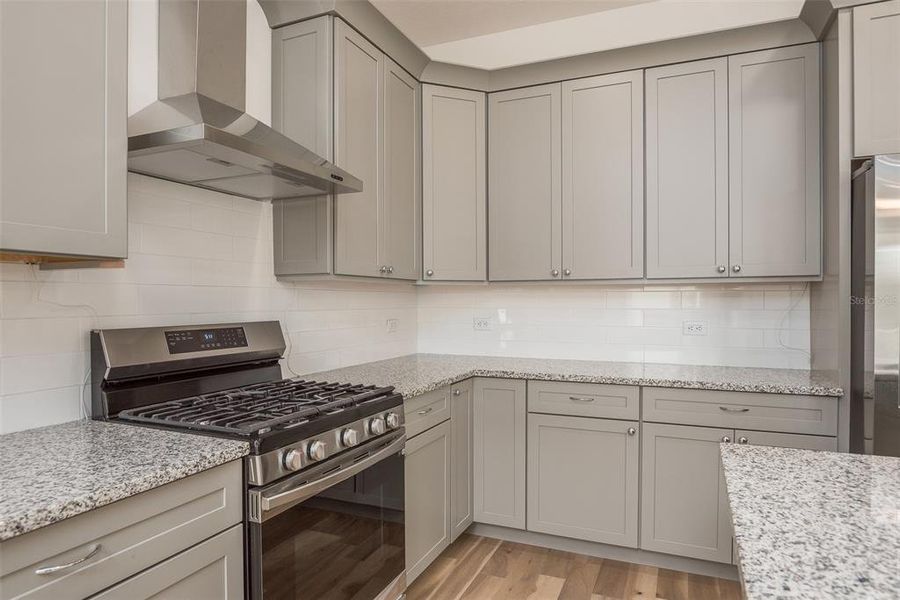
x=555, y=272
x=390, y=270
x=743, y=440
x=429, y=273
x=726, y=439
x=632, y=431
x=721, y=269
x=567, y=272
x=382, y=269
x=736, y=268
x=457, y=392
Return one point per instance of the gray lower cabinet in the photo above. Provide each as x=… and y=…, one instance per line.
x=876, y=78
x=211, y=570
x=603, y=177
x=302, y=109
x=525, y=211
x=454, y=184
x=499, y=452
x=461, y=446
x=124, y=539
x=687, y=170
x=774, y=164
x=583, y=478
x=428, y=484
x=64, y=145
x=684, y=506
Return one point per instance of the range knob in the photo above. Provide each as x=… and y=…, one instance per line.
x=292, y=460
x=349, y=438
x=316, y=450
x=393, y=420
x=376, y=426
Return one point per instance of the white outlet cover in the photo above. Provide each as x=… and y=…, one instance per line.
x=392, y=325
x=481, y=323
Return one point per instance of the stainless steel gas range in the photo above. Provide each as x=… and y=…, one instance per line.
x=324, y=504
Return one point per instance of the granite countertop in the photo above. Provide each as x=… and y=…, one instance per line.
x=814, y=525
x=56, y=472
x=417, y=374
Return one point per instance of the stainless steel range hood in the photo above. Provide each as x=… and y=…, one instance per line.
x=198, y=133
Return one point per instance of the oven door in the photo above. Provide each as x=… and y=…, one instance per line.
x=333, y=531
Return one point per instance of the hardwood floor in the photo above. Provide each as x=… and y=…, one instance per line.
x=476, y=568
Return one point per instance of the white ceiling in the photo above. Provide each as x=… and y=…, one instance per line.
x=493, y=34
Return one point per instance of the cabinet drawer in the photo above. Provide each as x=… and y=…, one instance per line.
x=425, y=411
x=583, y=399
x=130, y=536
x=742, y=410
x=212, y=569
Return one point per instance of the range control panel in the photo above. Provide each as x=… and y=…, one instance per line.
x=198, y=340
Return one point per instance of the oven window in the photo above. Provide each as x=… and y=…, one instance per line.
x=345, y=542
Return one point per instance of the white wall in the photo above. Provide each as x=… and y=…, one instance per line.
x=750, y=325
x=195, y=257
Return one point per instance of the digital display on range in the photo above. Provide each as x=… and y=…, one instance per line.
x=200, y=340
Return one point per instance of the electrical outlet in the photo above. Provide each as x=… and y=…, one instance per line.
x=481, y=324
x=694, y=327
x=392, y=325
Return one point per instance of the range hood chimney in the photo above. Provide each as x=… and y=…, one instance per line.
x=198, y=133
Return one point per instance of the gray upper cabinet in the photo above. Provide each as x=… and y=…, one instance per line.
x=684, y=506
x=398, y=244
x=603, y=177
x=583, y=478
x=687, y=170
x=454, y=184
x=876, y=78
x=524, y=212
x=774, y=162
x=499, y=452
x=428, y=482
x=358, y=126
x=302, y=109
x=63, y=117
x=461, y=446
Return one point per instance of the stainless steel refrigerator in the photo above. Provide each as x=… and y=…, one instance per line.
x=875, y=307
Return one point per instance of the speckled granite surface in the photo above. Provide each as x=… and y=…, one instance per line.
x=53, y=473
x=419, y=373
x=815, y=525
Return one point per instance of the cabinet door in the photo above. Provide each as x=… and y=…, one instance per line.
x=499, y=455
x=524, y=214
x=453, y=184
x=774, y=168
x=603, y=177
x=302, y=110
x=461, y=444
x=212, y=569
x=583, y=478
x=684, y=506
x=400, y=221
x=64, y=148
x=428, y=482
x=687, y=170
x=359, y=77
x=876, y=78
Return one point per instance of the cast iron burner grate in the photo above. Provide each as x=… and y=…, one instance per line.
x=257, y=409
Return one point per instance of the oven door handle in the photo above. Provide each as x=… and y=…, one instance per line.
x=266, y=503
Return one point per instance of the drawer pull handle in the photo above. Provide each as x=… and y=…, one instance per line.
x=425, y=411
x=581, y=399
x=734, y=410
x=92, y=551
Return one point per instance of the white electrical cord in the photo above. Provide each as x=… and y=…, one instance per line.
x=784, y=317
x=36, y=290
